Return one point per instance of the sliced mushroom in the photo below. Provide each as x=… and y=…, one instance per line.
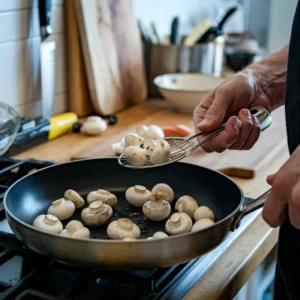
x=186, y=204
x=179, y=223
x=123, y=228
x=133, y=139
x=202, y=223
x=75, y=198
x=48, y=223
x=105, y=196
x=157, y=209
x=165, y=190
x=161, y=153
x=159, y=235
x=63, y=209
x=135, y=156
x=138, y=195
x=76, y=229
x=203, y=212
x=97, y=214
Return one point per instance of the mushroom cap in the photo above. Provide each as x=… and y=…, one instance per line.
x=166, y=191
x=65, y=232
x=150, y=132
x=202, y=223
x=123, y=228
x=135, y=156
x=149, y=145
x=129, y=239
x=83, y=233
x=159, y=235
x=161, y=153
x=133, y=139
x=48, y=223
x=137, y=195
x=63, y=209
x=157, y=210
x=73, y=226
x=117, y=148
x=75, y=198
x=187, y=204
x=179, y=223
x=105, y=196
x=93, y=128
x=203, y=212
x=97, y=214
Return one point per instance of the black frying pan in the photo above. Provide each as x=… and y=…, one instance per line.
x=33, y=194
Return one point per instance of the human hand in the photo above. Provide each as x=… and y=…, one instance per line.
x=234, y=97
x=285, y=191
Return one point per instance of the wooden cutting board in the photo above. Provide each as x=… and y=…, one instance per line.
x=78, y=95
x=112, y=51
x=244, y=164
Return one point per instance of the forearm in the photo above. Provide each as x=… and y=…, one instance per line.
x=270, y=75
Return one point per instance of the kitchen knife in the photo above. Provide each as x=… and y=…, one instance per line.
x=47, y=54
x=175, y=31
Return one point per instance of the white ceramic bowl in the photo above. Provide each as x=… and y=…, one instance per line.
x=186, y=90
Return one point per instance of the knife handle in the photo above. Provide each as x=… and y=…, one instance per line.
x=44, y=13
x=175, y=31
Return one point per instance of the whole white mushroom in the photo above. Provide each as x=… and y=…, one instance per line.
x=136, y=156
x=138, y=195
x=203, y=212
x=75, y=198
x=202, y=223
x=186, y=204
x=76, y=229
x=179, y=223
x=63, y=209
x=157, y=209
x=164, y=189
x=161, y=153
x=123, y=228
x=48, y=223
x=105, y=196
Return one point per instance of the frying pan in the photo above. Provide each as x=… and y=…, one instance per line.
x=33, y=194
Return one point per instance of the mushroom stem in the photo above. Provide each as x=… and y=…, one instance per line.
x=175, y=220
x=96, y=207
x=50, y=220
x=140, y=188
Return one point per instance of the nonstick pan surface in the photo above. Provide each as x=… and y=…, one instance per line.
x=33, y=194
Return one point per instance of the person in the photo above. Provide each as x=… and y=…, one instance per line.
x=271, y=83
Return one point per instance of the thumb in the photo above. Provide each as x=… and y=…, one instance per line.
x=217, y=111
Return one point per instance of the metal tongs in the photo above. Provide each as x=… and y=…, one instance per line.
x=182, y=147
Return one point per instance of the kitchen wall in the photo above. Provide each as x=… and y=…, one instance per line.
x=20, y=57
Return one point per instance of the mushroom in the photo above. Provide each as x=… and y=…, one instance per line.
x=48, y=223
x=203, y=212
x=123, y=228
x=202, y=223
x=105, y=196
x=157, y=209
x=97, y=214
x=137, y=195
x=159, y=235
x=129, y=239
x=179, y=223
x=161, y=153
x=75, y=198
x=118, y=148
x=150, y=132
x=132, y=139
x=94, y=126
x=165, y=190
x=149, y=145
x=76, y=229
x=186, y=204
x=135, y=156
x=63, y=209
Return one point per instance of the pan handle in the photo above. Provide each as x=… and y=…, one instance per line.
x=249, y=208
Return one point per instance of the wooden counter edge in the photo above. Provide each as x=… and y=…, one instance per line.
x=233, y=269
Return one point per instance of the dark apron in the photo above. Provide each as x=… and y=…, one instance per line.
x=287, y=277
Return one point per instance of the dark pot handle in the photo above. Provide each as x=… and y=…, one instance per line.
x=249, y=208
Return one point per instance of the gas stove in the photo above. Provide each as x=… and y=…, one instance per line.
x=27, y=275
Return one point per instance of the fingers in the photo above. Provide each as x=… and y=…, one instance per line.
x=270, y=179
x=211, y=112
x=253, y=136
x=226, y=138
x=274, y=209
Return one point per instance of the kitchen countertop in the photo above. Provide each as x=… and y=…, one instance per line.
x=235, y=266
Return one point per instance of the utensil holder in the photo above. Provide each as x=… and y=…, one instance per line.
x=206, y=58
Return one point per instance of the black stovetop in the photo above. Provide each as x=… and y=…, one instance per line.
x=27, y=275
